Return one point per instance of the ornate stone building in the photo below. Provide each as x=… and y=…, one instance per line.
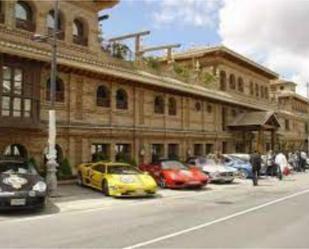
x=207, y=99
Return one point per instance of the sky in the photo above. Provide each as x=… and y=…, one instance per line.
x=271, y=32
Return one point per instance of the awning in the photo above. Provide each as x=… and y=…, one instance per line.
x=255, y=121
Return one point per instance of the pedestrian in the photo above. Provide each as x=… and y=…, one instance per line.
x=255, y=160
x=303, y=161
x=281, y=164
x=270, y=158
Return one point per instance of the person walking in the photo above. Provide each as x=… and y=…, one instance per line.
x=270, y=158
x=303, y=161
x=282, y=164
x=255, y=160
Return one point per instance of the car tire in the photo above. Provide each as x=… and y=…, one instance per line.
x=162, y=182
x=229, y=182
x=80, y=180
x=105, y=188
x=243, y=174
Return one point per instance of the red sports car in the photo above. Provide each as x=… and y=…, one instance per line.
x=174, y=174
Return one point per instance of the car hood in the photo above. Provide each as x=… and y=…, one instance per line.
x=185, y=174
x=140, y=179
x=217, y=168
x=12, y=182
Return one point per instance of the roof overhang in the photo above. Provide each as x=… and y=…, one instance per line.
x=253, y=121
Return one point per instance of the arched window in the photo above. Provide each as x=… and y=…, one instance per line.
x=159, y=105
x=266, y=93
x=232, y=82
x=16, y=150
x=257, y=90
x=240, y=84
x=172, y=106
x=222, y=81
x=59, y=94
x=103, y=96
x=262, y=91
x=24, y=16
x=198, y=106
x=51, y=24
x=79, y=33
x=121, y=99
x=251, y=88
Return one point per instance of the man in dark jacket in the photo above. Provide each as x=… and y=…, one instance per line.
x=255, y=160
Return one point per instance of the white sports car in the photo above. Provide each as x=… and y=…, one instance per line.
x=216, y=171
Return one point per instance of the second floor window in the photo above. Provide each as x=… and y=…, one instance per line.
x=240, y=84
x=222, y=81
x=24, y=16
x=51, y=24
x=14, y=103
x=159, y=105
x=79, y=33
x=172, y=107
x=121, y=99
x=232, y=82
x=103, y=96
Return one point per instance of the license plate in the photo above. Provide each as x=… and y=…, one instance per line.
x=18, y=202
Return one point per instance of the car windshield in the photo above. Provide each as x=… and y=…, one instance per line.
x=237, y=159
x=173, y=165
x=122, y=170
x=210, y=162
x=202, y=161
x=17, y=168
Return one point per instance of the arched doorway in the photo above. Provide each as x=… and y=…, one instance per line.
x=16, y=150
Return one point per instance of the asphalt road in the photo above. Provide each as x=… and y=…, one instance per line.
x=273, y=215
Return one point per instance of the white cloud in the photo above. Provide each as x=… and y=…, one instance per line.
x=200, y=13
x=275, y=32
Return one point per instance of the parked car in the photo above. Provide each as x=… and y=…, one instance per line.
x=243, y=166
x=116, y=179
x=174, y=174
x=20, y=185
x=217, y=172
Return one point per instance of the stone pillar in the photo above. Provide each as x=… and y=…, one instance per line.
x=273, y=139
x=259, y=141
x=112, y=152
x=10, y=14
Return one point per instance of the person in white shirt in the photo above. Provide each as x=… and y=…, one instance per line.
x=303, y=160
x=282, y=163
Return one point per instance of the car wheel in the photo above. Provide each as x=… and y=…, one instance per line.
x=243, y=174
x=105, y=188
x=80, y=180
x=229, y=182
x=162, y=182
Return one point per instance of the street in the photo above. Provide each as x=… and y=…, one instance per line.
x=239, y=215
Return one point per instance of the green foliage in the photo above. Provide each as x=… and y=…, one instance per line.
x=153, y=62
x=34, y=163
x=100, y=156
x=208, y=78
x=64, y=170
x=181, y=71
x=118, y=50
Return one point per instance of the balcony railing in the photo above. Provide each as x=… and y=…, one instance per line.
x=79, y=40
x=26, y=25
x=60, y=34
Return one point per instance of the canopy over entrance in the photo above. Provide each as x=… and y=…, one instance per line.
x=253, y=121
x=259, y=122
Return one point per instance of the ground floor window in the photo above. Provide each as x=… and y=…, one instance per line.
x=209, y=149
x=123, y=152
x=239, y=147
x=16, y=150
x=157, y=152
x=100, y=152
x=198, y=150
x=173, y=151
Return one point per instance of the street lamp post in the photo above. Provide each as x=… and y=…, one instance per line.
x=51, y=178
x=51, y=165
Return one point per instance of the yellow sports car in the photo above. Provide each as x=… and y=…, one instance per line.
x=116, y=179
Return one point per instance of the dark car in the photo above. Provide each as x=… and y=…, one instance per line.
x=20, y=185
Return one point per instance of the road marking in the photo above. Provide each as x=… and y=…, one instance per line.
x=207, y=224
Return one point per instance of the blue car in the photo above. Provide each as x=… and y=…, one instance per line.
x=243, y=166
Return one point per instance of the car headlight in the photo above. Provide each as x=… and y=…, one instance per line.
x=40, y=187
x=127, y=179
